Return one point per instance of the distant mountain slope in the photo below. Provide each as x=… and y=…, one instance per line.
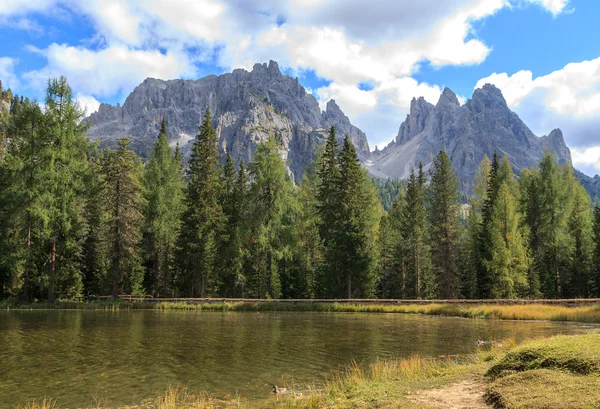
x=246, y=106
x=467, y=132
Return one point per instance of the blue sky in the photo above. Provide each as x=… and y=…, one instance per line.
x=372, y=57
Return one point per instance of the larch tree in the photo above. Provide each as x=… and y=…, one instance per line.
x=124, y=202
x=67, y=166
x=444, y=236
x=203, y=219
x=509, y=262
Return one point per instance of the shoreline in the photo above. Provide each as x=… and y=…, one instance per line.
x=587, y=313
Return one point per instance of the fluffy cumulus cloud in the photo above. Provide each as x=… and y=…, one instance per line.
x=568, y=98
x=347, y=42
x=108, y=71
x=7, y=73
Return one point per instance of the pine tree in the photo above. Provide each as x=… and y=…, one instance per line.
x=163, y=192
x=443, y=218
x=413, y=230
x=124, y=201
x=509, y=262
x=359, y=214
x=203, y=220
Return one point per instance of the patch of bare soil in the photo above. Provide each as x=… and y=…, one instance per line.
x=463, y=395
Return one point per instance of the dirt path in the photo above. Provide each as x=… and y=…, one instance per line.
x=463, y=395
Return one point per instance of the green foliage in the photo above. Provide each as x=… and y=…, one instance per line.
x=122, y=190
x=203, y=219
x=163, y=192
x=416, y=267
x=272, y=216
x=509, y=261
x=596, y=254
x=444, y=234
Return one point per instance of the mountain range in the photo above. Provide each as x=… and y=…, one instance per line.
x=248, y=106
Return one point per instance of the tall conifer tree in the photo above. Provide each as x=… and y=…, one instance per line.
x=163, y=191
x=124, y=202
x=443, y=217
x=203, y=219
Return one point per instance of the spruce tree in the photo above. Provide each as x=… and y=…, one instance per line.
x=234, y=202
x=327, y=208
x=124, y=202
x=444, y=209
x=413, y=230
x=163, y=192
x=359, y=213
x=392, y=252
x=203, y=219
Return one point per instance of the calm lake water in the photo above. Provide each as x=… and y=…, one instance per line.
x=128, y=356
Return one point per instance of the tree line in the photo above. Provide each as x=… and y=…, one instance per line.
x=76, y=219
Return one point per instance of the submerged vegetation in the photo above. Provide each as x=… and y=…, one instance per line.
x=76, y=219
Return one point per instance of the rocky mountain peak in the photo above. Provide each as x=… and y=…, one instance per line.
x=247, y=108
x=489, y=96
x=467, y=133
x=449, y=98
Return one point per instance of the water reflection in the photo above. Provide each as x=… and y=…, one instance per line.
x=128, y=356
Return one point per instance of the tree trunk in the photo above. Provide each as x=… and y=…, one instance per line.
x=115, y=291
x=349, y=295
x=26, y=273
x=52, y=272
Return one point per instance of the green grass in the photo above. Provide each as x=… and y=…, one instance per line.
x=579, y=354
x=544, y=389
x=581, y=313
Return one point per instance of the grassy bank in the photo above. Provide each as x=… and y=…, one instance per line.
x=559, y=372
x=580, y=313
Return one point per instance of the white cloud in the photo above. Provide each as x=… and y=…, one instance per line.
x=87, y=102
x=553, y=6
x=109, y=71
x=568, y=98
x=587, y=159
x=344, y=41
x=7, y=73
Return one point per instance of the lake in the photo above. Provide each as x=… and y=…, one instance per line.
x=127, y=356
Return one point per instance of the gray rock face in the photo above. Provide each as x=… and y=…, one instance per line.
x=246, y=107
x=467, y=133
